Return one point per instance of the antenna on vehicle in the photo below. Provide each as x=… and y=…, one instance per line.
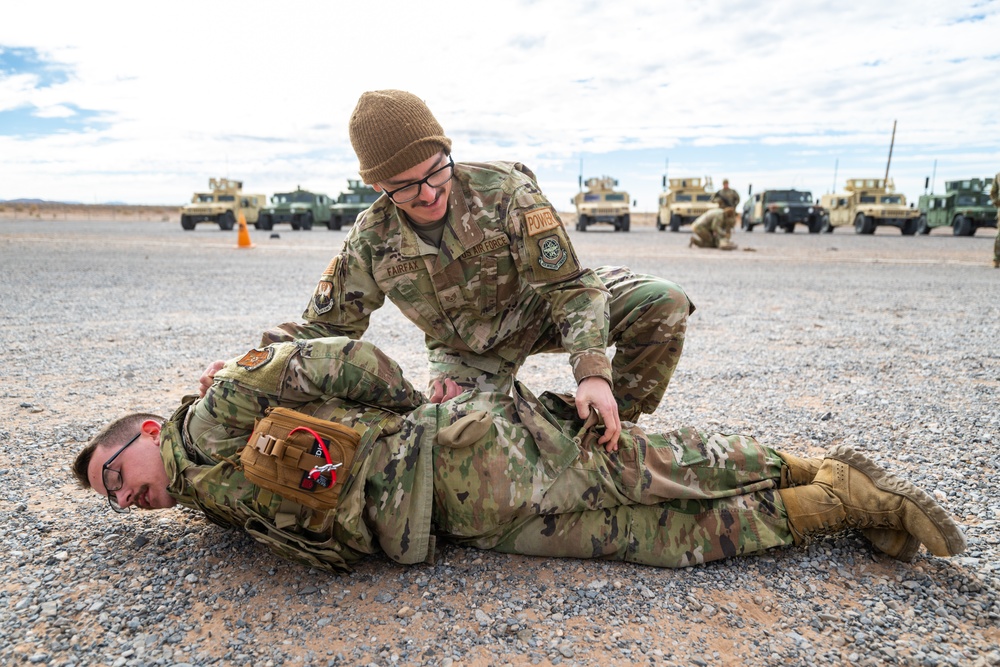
x=579, y=178
x=889, y=161
x=933, y=176
x=836, y=164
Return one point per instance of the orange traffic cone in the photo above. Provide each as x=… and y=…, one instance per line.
x=243, y=238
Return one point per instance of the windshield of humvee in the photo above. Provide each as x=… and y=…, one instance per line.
x=206, y=199
x=867, y=199
x=615, y=197
x=892, y=199
x=791, y=196
x=972, y=200
x=227, y=197
x=703, y=197
x=682, y=197
x=371, y=197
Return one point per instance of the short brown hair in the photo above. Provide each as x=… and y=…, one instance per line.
x=115, y=433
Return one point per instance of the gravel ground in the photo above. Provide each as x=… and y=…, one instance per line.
x=887, y=343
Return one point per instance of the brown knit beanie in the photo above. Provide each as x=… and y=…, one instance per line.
x=392, y=131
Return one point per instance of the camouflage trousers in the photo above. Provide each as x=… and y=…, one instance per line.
x=667, y=500
x=648, y=321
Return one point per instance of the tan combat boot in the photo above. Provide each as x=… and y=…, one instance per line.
x=896, y=543
x=850, y=491
x=797, y=470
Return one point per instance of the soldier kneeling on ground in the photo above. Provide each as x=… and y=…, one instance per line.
x=714, y=229
x=364, y=464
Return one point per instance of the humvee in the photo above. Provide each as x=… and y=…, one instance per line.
x=966, y=206
x=781, y=208
x=222, y=205
x=867, y=204
x=602, y=203
x=300, y=209
x=349, y=205
x=683, y=202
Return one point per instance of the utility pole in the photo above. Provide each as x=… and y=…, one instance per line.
x=887, y=162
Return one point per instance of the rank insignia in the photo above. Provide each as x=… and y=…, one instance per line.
x=256, y=358
x=553, y=254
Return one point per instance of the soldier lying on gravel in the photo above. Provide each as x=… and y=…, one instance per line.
x=517, y=473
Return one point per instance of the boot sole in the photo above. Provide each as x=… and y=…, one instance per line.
x=949, y=530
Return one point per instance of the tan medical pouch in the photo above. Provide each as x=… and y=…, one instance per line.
x=284, y=455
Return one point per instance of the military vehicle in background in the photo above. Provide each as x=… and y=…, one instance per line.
x=868, y=204
x=685, y=200
x=351, y=204
x=301, y=209
x=602, y=203
x=222, y=205
x=782, y=208
x=965, y=206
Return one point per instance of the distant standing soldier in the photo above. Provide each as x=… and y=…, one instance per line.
x=714, y=229
x=995, y=197
x=726, y=197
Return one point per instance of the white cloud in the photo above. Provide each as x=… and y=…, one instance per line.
x=191, y=90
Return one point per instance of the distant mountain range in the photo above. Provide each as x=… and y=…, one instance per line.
x=68, y=203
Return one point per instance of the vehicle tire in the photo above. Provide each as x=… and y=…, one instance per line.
x=264, y=222
x=307, y=221
x=815, y=225
x=863, y=224
x=922, y=227
x=659, y=225
x=187, y=223
x=909, y=227
x=770, y=222
x=825, y=225
x=675, y=223
x=626, y=223
x=746, y=224
x=581, y=223
x=226, y=221
x=963, y=226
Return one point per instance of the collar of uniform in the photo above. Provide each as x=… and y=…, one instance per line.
x=460, y=232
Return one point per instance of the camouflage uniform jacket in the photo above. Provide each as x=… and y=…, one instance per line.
x=713, y=228
x=504, y=271
x=727, y=197
x=338, y=379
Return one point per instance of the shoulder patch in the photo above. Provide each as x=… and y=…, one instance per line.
x=541, y=220
x=553, y=254
x=256, y=358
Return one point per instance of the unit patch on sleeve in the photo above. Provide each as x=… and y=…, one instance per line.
x=553, y=254
x=323, y=297
x=256, y=358
x=541, y=220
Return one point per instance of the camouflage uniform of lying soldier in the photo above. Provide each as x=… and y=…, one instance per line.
x=517, y=474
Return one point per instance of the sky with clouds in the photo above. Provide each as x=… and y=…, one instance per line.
x=143, y=102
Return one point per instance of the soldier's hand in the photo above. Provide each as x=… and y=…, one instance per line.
x=594, y=393
x=444, y=389
x=208, y=376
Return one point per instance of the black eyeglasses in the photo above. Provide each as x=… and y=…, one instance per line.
x=113, y=478
x=435, y=179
